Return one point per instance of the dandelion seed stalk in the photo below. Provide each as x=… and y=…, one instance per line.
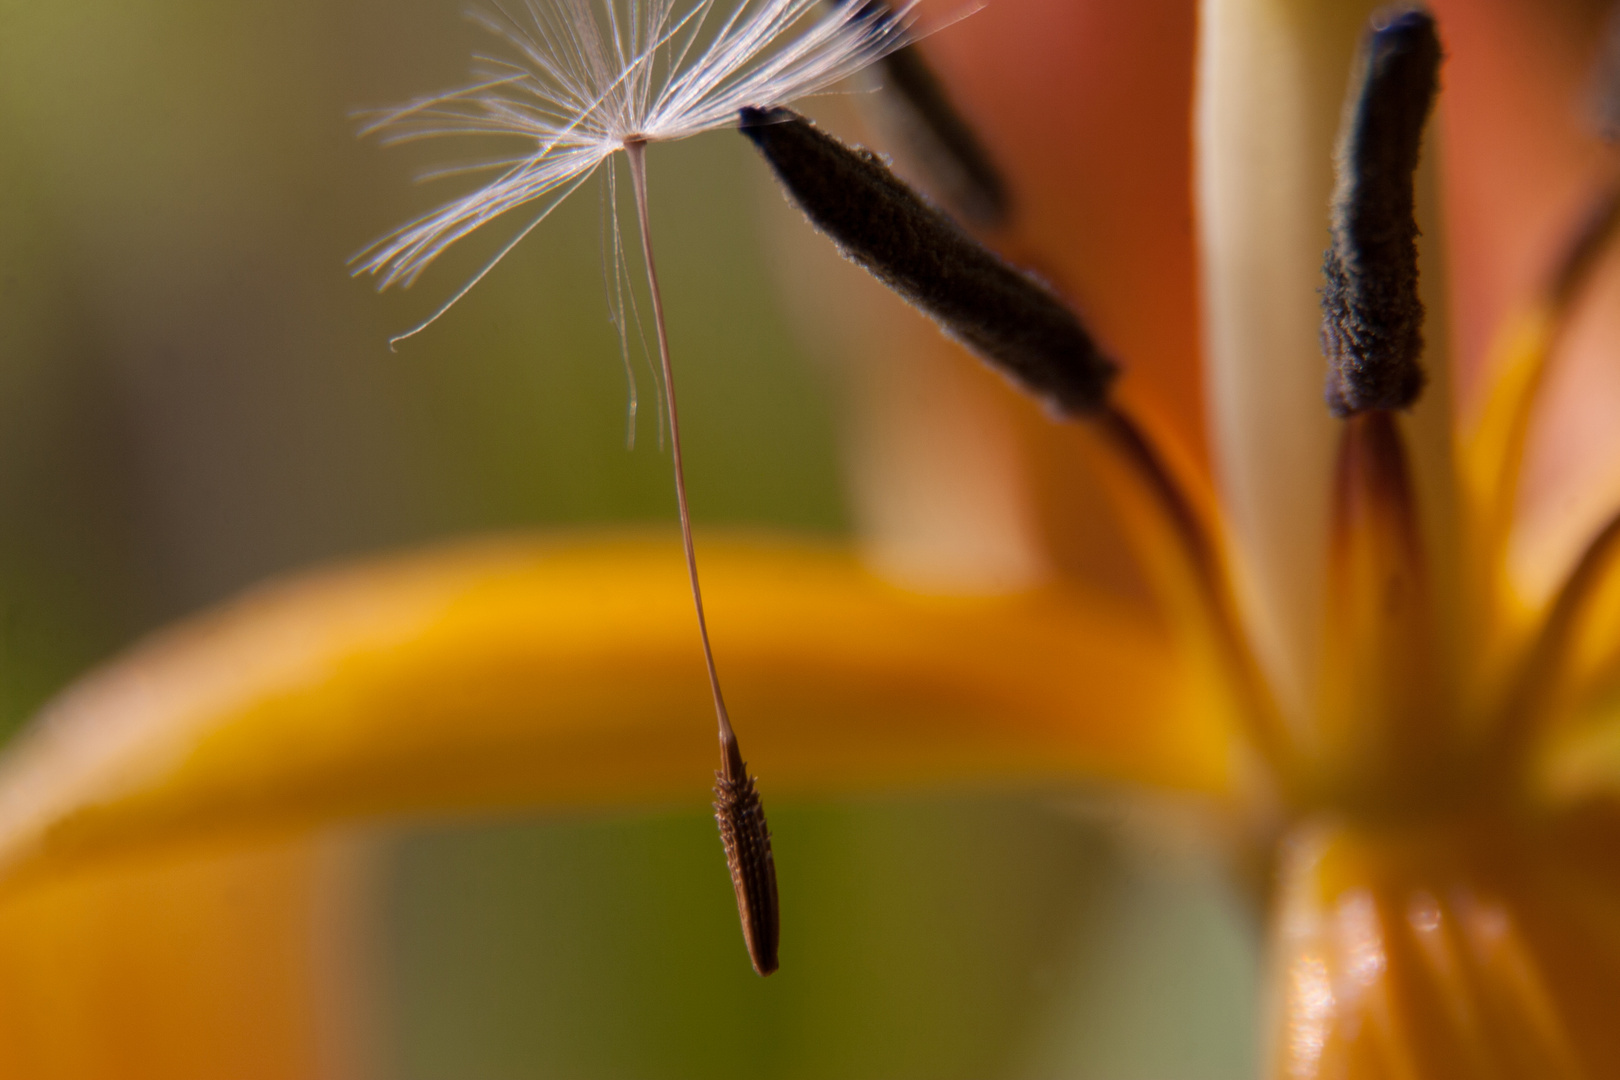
x=743, y=831
x=636, y=152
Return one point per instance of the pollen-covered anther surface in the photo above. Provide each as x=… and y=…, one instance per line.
x=1372, y=318
x=1002, y=314
x=747, y=840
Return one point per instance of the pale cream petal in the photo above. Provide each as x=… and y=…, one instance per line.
x=1271, y=82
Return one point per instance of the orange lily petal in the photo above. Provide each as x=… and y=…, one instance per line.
x=1516, y=78
x=228, y=963
x=532, y=673
x=1515, y=109
x=1490, y=952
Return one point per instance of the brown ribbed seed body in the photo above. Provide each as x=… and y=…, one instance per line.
x=747, y=841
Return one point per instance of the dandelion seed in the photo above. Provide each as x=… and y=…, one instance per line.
x=591, y=78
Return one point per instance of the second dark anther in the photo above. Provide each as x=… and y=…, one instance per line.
x=1372, y=318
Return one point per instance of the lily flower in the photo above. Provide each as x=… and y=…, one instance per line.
x=1378, y=658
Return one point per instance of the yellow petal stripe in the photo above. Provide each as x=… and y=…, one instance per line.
x=1571, y=702
x=1488, y=454
x=527, y=673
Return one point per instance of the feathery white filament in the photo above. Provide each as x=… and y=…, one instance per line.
x=590, y=75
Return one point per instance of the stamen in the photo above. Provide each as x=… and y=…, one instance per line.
x=1194, y=551
x=939, y=137
x=1015, y=324
x=1372, y=318
x=1003, y=315
x=1380, y=669
x=737, y=808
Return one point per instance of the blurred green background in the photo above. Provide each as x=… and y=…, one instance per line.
x=194, y=395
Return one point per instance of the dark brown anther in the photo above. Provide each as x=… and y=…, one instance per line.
x=747, y=840
x=935, y=133
x=1002, y=314
x=1372, y=318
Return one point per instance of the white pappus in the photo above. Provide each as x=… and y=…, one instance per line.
x=589, y=78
